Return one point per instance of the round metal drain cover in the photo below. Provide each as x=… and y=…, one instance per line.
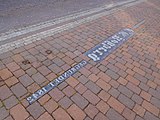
x=25, y=62
x=48, y=51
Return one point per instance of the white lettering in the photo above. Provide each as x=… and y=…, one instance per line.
x=97, y=51
x=110, y=43
x=102, y=48
x=94, y=57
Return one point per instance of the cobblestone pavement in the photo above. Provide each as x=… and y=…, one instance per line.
x=125, y=85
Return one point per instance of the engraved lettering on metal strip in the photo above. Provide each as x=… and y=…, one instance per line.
x=56, y=82
x=102, y=50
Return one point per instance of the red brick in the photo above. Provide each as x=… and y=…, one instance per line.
x=17, y=58
x=91, y=111
x=138, y=70
x=133, y=80
x=100, y=116
x=44, y=99
x=45, y=116
x=151, y=108
x=33, y=88
x=44, y=70
x=11, y=81
x=122, y=81
x=139, y=110
x=13, y=66
x=103, y=107
x=130, y=72
x=151, y=84
x=104, y=95
x=129, y=114
x=31, y=71
x=51, y=76
x=5, y=73
x=115, y=104
x=69, y=91
x=19, y=113
x=85, y=72
x=80, y=88
x=76, y=113
x=50, y=106
x=93, y=77
x=104, y=76
x=56, y=94
x=133, y=88
x=114, y=83
x=72, y=81
x=19, y=73
x=91, y=97
x=145, y=95
x=60, y=114
x=105, y=86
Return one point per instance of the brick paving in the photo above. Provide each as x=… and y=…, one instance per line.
x=125, y=85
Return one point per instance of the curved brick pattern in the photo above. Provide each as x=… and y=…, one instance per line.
x=125, y=85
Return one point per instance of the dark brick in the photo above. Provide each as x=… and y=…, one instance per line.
x=44, y=70
x=4, y=92
x=36, y=110
x=79, y=100
x=93, y=87
x=26, y=80
x=3, y=113
x=144, y=86
x=149, y=116
x=69, y=91
x=113, y=115
x=112, y=74
x=137, y=99
x=39, y=78
x=140, y=78
x=19, y=90
x=91, y=111
x=65, y=102
x=100, y=116
x=91, y=97
x=10, y=102
x=125, y=91
x=155, y=93
x=155, y=102
x=133, y=87
x=82, y=79
x=126, y=101
x=114, y=92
